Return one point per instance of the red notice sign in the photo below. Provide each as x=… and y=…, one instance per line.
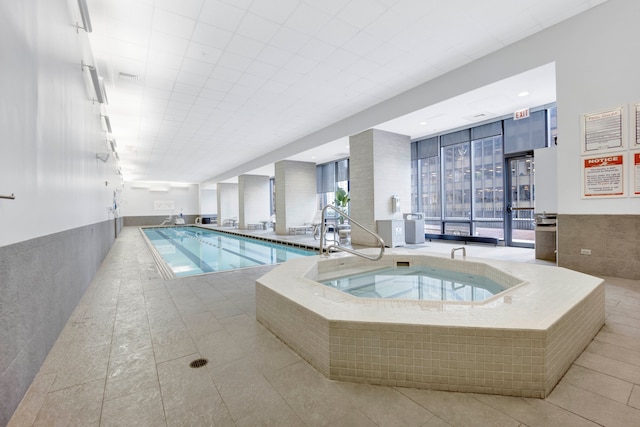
x=603, y=176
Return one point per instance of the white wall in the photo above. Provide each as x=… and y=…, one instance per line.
x=208, y=201
x=254, y=200
x=546, y=179
x=596, y=69
x=51, y=129
x=227, y=201
x=295, y=194
x=143, y=199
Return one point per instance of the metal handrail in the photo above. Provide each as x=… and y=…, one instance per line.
x=341, y=248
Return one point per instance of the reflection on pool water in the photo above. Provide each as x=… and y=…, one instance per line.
x=417, y=283
x=189, y=251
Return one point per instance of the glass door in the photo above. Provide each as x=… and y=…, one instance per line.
x=520, y=202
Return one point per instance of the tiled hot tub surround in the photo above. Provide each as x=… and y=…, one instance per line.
x=517, y=343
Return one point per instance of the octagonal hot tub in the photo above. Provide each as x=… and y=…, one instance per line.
x=519, y=342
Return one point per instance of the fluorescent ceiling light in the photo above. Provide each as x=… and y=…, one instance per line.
x=84, y=14
x=98, y=84
x=523, y=93
x=107, y=123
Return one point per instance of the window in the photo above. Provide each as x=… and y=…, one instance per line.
x=329, y=177
x=488, y=187
x=456, y=169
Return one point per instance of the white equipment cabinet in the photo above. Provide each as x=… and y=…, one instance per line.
x=392, y=232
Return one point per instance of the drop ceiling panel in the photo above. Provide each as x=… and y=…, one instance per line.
x=242, y=73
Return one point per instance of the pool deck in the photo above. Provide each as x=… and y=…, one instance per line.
x=123, y=359
x=443, y=247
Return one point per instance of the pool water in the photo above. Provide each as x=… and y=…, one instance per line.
x=417, y=283
x=189, y=251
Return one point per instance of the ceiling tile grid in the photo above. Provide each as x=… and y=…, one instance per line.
x=199, y=87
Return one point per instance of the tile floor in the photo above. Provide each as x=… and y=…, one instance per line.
x=122, y=360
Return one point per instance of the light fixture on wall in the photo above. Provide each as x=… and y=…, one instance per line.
x=84, y=14
x=103, y=157
x=107, y=122
x=98, y=84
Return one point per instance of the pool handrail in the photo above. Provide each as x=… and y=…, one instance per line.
x=342, y=248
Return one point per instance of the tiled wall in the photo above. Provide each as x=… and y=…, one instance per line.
x=612, y=239
x=41, y=282
x=295, y=194
x=304, y=331
x=567, y=338
x=475, y=360
x=377, y=169
x=139, y=221
x=513, y=362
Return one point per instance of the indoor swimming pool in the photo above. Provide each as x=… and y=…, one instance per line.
x=417, y=283
x=189, y=251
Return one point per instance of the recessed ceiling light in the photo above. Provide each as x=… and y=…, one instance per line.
x=525, y=93
x=423, y=123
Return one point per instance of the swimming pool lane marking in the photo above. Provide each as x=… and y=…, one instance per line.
x=228, y=250
x=202, y=264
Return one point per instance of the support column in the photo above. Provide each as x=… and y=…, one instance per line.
x=379, y=168
x=227, y=201
x=295, y=194
x=254, y=200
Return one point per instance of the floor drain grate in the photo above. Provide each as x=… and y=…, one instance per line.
x=198, y=363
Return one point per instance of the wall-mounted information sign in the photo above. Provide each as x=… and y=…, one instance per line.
x=164, y=205
x=636, y=174
x=603, y=131
x=636, y=127
x=603, y=176
x=521, y=114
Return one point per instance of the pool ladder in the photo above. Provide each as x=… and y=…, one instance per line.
x=463, y=249
x=342, y=248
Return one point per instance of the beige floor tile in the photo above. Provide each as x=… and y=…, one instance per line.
x=594, y=407
x=130, y=373
x=140, y=409
x=172, y=344
x=534, y=412
x=355, y=419
x=78, y=405
x=32, y=402
x=385, y=405
x=437, y=422
x=634, y=399
x=82, y=364
x=268, y=353
x=317, y=400
x=205, y=412
x=624, y=320
x=599, y=383
x=278, y=415
x=130, y=319
x=181, y=384
x=620, y=329
x=224, y=309
x=459, y=409
x=219, y=348
x=609, y=366
x=242, y=326
x=201, y=323
x=615, y=352
x=618, y=340
x=248, y=395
